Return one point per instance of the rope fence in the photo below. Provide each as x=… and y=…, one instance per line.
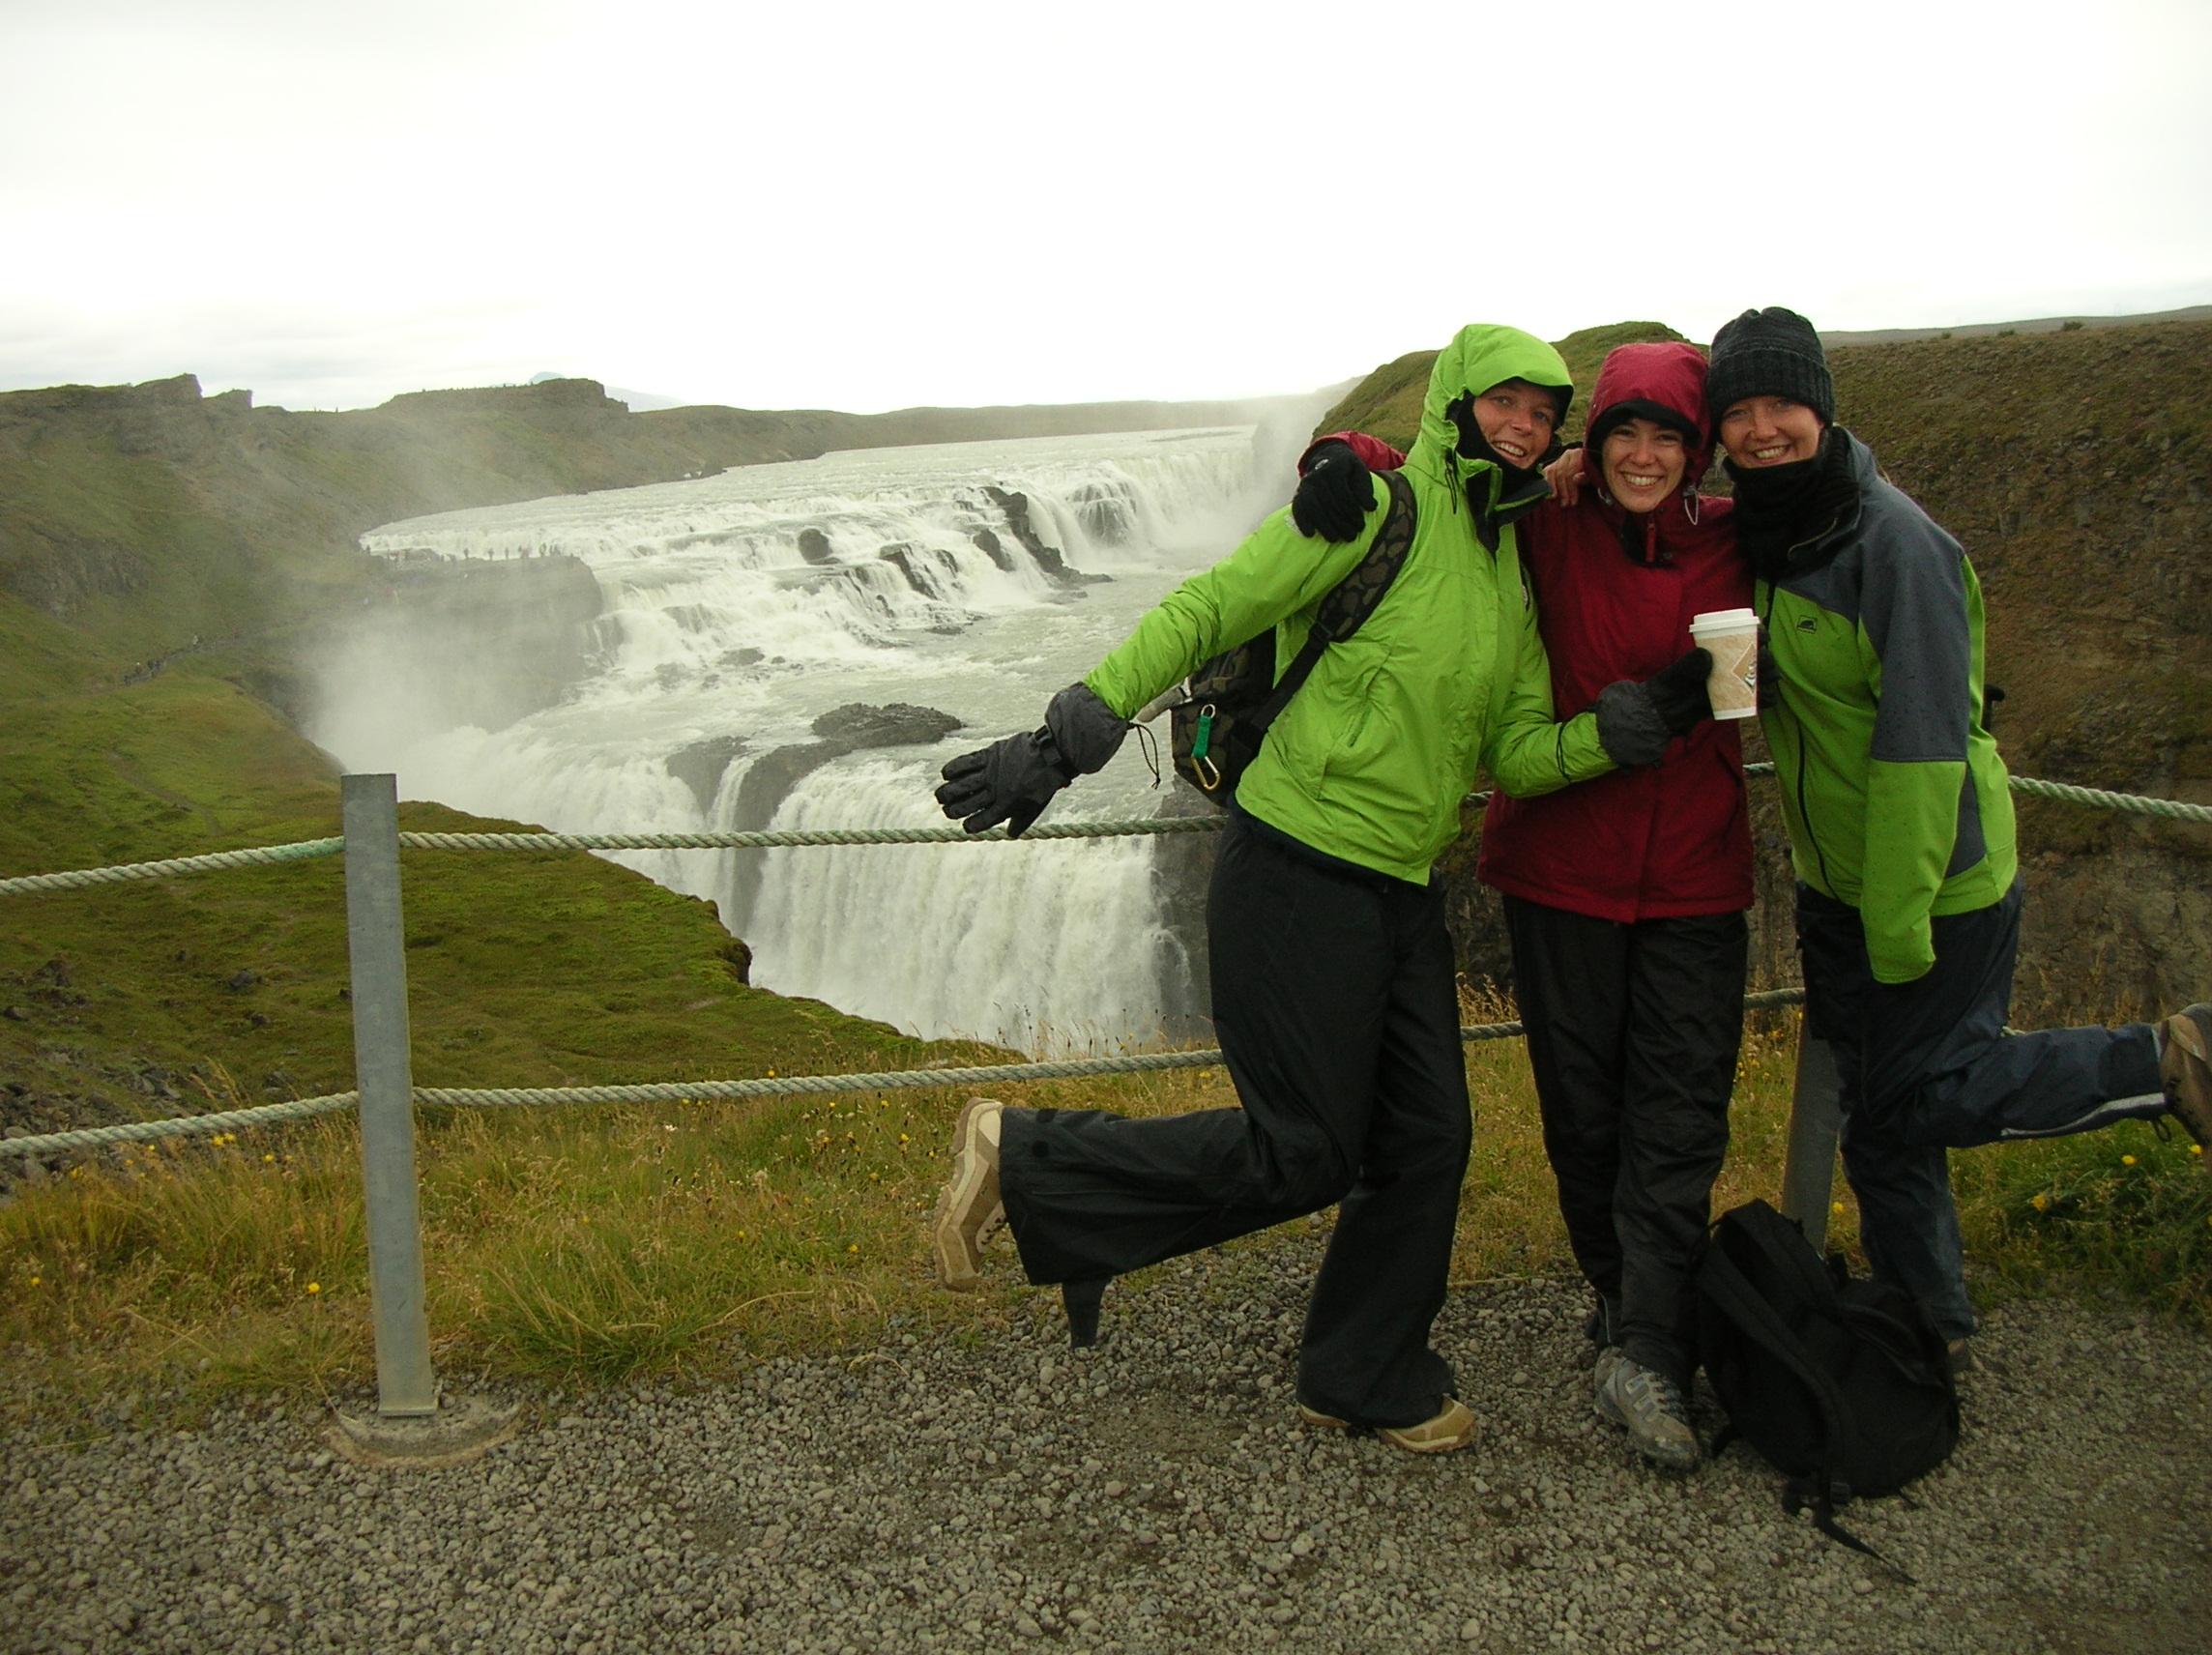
x=387, y=1098
x=793, y=838
x=686, y=1092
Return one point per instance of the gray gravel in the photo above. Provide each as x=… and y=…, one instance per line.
x=1155, y=1494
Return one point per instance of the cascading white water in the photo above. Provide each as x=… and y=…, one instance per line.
x=739, y=608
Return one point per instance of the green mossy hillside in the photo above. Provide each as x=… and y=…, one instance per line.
x=140, y=1000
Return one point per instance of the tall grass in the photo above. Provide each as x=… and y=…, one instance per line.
x=587, y=1246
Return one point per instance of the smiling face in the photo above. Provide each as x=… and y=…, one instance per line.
x=1769, y=431
x=1643, y=462
x=1516, y=418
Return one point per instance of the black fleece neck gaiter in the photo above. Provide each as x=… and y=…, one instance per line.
x=1780, y=507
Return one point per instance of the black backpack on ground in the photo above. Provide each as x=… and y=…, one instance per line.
x=1843, y=1383
x=1233, y=698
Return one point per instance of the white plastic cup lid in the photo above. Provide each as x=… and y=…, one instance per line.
x=1724, y=621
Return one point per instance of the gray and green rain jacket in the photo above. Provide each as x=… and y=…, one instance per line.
x=1896, y=799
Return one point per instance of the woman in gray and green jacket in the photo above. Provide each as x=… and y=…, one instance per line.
x=1901, y=826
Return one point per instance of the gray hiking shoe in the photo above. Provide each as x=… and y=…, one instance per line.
x=1649, y=1406
x=2186, y=1068
x=1608, y=1359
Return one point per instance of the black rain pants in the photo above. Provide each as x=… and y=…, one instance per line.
x=1334, y=1000
x=1633, y=1035
x=1927, y=1067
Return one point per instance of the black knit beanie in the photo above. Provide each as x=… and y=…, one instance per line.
x=1769, y=352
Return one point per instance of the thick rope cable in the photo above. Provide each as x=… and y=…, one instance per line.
x=784, y=838
x=681, y=1091
x=182, y=1126
x=25, y=884
x=2171, y=809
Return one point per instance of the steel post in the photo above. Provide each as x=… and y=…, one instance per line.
x=405, y=1385
x=1816, y=1125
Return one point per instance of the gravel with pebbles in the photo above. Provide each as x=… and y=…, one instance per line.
x=1154, y=1494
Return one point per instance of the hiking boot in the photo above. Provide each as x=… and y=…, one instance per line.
x=1452, y=1428
x=1962, y=1355
x=969, y=1209
x=1608, y=1359
x=2185, y=1067
x=1650, y=1407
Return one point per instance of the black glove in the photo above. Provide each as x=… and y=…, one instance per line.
x=1009, y=781
x=1086, y=729
x=1682, y=693
x=1335, y=494
x=1635, y=722
x=1771, y=677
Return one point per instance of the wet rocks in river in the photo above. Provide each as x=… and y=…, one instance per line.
x=901, y=724
x=926, y=572
x=814, y=546
x=1016, y=507
x=842, y=730
x=699, y=767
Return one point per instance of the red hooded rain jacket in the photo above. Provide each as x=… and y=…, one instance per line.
x=1643, y=844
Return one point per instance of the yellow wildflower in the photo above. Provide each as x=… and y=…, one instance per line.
x=314, y=1287
x=2127, y=1160
x=2040, y=1201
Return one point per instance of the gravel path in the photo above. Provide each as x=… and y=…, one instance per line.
x=1154, y=1494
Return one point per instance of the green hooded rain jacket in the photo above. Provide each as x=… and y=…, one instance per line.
x=1372, y=756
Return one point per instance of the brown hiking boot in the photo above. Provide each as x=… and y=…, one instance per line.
x=1452, y=1428
x=969, y=1209
x=2186, y=1068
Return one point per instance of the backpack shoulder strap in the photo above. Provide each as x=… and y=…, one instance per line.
x=1351, y=601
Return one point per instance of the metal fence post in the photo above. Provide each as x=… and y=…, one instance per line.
x=405, y=1385
x=1816, y=1123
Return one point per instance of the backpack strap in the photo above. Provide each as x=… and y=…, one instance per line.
x=1348, y=603
x=1802, y=1492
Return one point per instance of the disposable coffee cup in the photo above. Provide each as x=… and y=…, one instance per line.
x=1733, y=636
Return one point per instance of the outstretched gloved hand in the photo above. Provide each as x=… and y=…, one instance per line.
x=1335, y=494
x=1635, y=722
x=1009, y=781
x=1013, y=780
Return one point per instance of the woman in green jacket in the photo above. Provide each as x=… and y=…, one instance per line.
x=1332, y=975
x=1900, y=825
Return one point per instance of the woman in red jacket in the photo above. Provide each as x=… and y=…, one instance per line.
x=1625, y=896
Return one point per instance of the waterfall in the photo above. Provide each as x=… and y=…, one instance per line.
x=734, y=612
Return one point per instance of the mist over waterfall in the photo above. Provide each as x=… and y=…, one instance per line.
x=789, y=644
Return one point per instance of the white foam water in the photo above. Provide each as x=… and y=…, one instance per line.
x=741, y=606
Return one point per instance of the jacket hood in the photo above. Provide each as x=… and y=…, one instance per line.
x=1669, y=376
x=1481, y=355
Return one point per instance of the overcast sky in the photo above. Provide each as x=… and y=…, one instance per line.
x=869, y=206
